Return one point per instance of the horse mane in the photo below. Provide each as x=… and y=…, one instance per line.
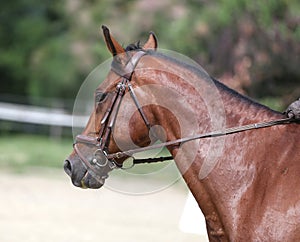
x=134, y=46
x=240, y=96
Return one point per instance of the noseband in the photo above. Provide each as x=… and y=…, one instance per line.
x=102, y=162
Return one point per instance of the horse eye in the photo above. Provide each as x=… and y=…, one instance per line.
x=100, y=97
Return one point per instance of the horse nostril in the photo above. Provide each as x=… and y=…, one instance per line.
x=68, y=167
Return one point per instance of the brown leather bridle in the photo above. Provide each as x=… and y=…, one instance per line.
x=102, y=162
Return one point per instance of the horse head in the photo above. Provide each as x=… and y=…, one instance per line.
x=89, y=164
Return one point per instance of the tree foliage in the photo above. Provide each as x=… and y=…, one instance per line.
x=48, y=47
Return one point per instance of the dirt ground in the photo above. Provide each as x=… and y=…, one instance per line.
x=46, y=207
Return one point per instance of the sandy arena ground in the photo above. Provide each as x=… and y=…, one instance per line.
x=46, y=207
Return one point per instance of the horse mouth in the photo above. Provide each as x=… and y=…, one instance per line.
x=81, y=177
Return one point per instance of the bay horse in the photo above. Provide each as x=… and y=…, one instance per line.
x=246, y=180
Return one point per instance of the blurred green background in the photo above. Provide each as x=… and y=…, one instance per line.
x=47, y=48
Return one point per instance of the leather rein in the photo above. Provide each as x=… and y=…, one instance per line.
x=102, y=162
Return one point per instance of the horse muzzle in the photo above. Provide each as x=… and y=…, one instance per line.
x=82, y=179
x=83, y=176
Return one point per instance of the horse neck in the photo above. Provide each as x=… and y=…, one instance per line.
x=234, y=110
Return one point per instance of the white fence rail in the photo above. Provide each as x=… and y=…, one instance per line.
x=53, y=117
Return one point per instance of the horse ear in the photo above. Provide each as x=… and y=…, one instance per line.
x=151, y=42
x=114, y=47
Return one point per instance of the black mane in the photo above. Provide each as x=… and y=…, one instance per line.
x=135, y=46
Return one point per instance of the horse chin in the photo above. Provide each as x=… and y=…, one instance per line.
x=88, y=181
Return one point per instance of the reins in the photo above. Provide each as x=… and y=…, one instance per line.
x=178, y=142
